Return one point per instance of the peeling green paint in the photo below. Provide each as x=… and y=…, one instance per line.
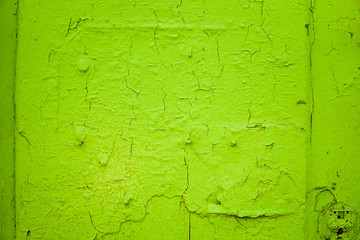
x=184, y=119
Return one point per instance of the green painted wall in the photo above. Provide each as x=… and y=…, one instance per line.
x=7, y=113
x=183, y=119
x=333, y=163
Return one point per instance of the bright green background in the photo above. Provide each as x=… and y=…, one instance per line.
x=179, y=120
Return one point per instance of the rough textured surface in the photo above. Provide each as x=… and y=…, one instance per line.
x=184, y=119
x=147, y=118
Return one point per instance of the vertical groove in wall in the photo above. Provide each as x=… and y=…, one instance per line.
x=311, y=39
x=14, y=105
x=311, y=43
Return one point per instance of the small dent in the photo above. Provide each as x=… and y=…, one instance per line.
x=301, y=102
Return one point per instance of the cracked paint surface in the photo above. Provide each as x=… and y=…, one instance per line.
x=166, y=119
x=333, y=166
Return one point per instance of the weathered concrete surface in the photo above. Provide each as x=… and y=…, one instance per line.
x=168, y=119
